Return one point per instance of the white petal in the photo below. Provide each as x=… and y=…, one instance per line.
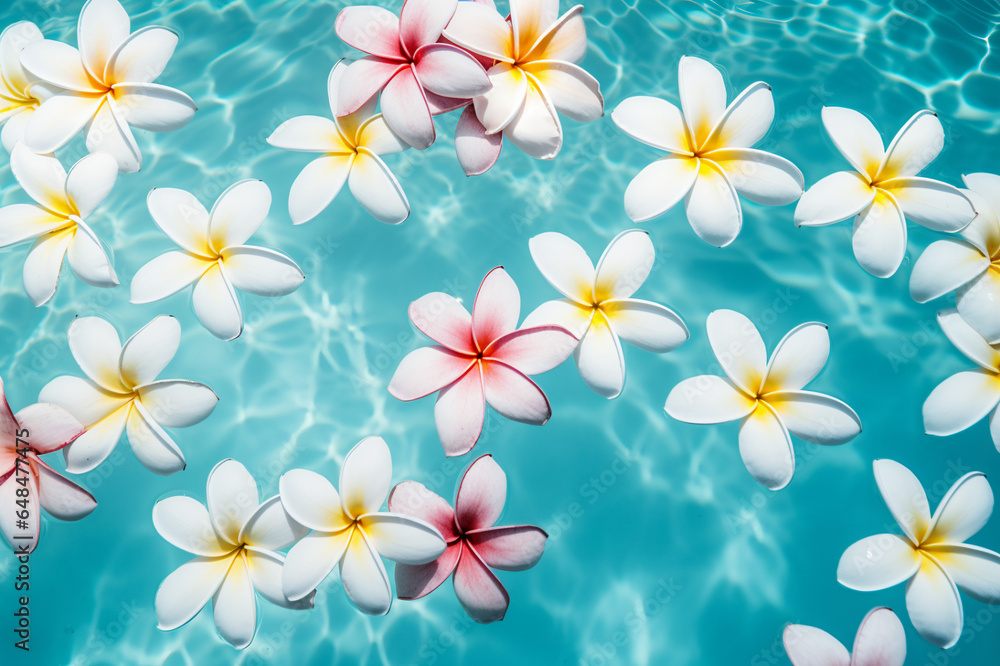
x=746, y=120
x=815, y=417
x=879, y=236
x=109, y=132
x=184, y=522
x=166, y=275
x=967, y=340
x=504, y=101
x=266, y=571
x=312, y=501
x=738, y=347
x=648, y=326
x=82, y=398
x=152, y=446
x=176, y=403
x=43, y=264
x=599, y=359
x=659, y=187
x=311, y=560
x=961, y=401
x=14, y=128
x=563, y=312
x=855, y=137
x=185, y=592
x=311, y=134
x=377, y=190
x=713, y=206
x=234, y=606
x=759, y=176
x=766, y=449
x=624, y=265
x=57, y=121
x=655, y=122
x=270, y=527
x=934, y=606
x=979, y=304
x=809, y=646
x=798, y=358
x=403, y=539
x=376, y=136
x=914, y=147
x=707, y=399
x=905, y=498
x=232, y=498
x=181, y=217
x=573, y=91
x=564, y=264
x=536, y=130
x=92, y=447
x=103, y=26
x=89, y=260
x=703, y=96
x=152, y=107
x=238, y=213
x=261, y=271
x=364, y=576
x=142, y=56
x=216, y=305
x=90, y=181
x=58, y=64
x=365, y=477
x=945, y=266
x=975, y=570
x=878, y=562
x=95, y=345
x=984, y=230
x=964, y=510
x=60, y=497
x=318, y=185
x=147, y=353
x=13, y=39
x=21, y=222
x=837, y=197
x=931, y=203
x=42, y=177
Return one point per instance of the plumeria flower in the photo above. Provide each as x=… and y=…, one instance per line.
x=408, y=63
x=884, y=190
x=533, y=75
x=767, y=395
x=26, y=482
x=932, y=556
x=710, y=160
x=213, y=255
x=351, y=146
x=599, y=307
x=56, y=224
x=968, y=265
x=20, y=92
x=108, y=85
x=967, y=397
x=880, y=641
x=351, y=530
x=235, y=539
x=121, y=393
x=475, y=544
x=481, y=359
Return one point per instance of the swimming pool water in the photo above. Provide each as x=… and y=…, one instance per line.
x=662, y=548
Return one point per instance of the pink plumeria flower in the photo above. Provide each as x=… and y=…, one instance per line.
x=880, y=641
x=475, y=544
x=931, y=556
x=236, y=540
x=26, y=483
x=884, y=190
x=534, y=79
x=20, y=93
x=480, y=359
x=108, y=86
x=970, y=264
x=409, y=64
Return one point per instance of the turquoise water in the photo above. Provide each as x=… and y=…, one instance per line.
x=663, y=549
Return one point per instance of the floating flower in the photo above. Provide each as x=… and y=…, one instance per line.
x=26, y=482
x=352, y=145
x=20, y=92
x=56, y=224
x=408, y=63
x=121, y=393
x=108, y=86
x=709, y=161
x=932, y=558
x=767, y=395
x=482, y=358
x=963, y=265
x=533, y=75
x=880, y=641
x=475, y=544
x=598, y=306
x=884, y=189
x=213, y=255
x=236, y=540
x=967, y=397
x=350, y=530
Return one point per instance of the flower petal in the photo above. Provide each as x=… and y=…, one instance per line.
x=403, y=539
x=232, y=498
x=984, y=231
x=879, y=236
x=60, y=497
x=184, y=522
x=447, y=70
x=311, y=500
x=529, y=19
x=497, y=107
x=427, y=370
x=421, y=22
x=166, y=275
x=809, y=646
x=934, y=606
x=22, y=222
x=152, y=445
x=238, y=213
x=660, y=186
x=377, y=190
x=482, y=493
x=964, y=510
x=187, y=589
x=564, y=264
x=104, y=24
x=967, y=340
x=216, y=305
x=89, y=260
x=311, y=560
x=317, y=186
x=713, y=206
x=414, y=499
x=562, y=312
x=95, y=345
x=599, y=358
x=43, y=264
x=536, y=130
x=975, y=570
x=90, y=181
x=837, y=197
x=109, y=132
x=646, y=325
x=708, y=399
x=459, y=413
x=746, y=120
x=797, y=358
x=761, y=177
x=653, y=121
x=365, y=477
x=703, y=97
x=57, y=121
x=532, y=351
x=311, y=134
x=509, y=548
x=92, y=447
x=480, y=29
x=234, y=606
x=375, y=136
x=496, y=308
x=445, y=320
x=878, y=562
x=477, y=151
x=738, y=347
x=176, y=403
x=945, y=266
x=152, y=107
x=414, y=581
x=364, y=577
x=881, y=640
x=405, y=109
x=513, y=395
x=261, y=271
x=142, y=56
x=766, y=448
x=905, y=498
x=572, y=91
x=270, y=527
x=58, y=64
x=180, y=216
x=15, y=126
x=856, y=138
x=931, y=203
x=624, y=266
x=814, y=417
x=914, y=147
x=147, y=353
x=961, y=401
x=563, y=39
x=13, y=39
x=20, y=534
x=360, y=82
x=481, y=594
x=370, y=29
x=978, y=302
x=50, y=427
x=266, y=570
x=42, y=177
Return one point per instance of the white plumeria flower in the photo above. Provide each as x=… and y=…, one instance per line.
x=767, y=395
x=884, y=189
x=350, y=530
x=709, y=161
x=236, y=540
x=880, y=641
x=108, y=85
x=351, y=146
x=56, y=224
x=968, y=397
x=932, y=556
x=20, y=92
x=121, y=393
x=213, y=255
x=598, y=307
x=970, y=265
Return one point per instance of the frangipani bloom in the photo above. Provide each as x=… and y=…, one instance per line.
x=213, y=255
x=236, y=540
x=932, y=558
x=121, y=393
x=20, y=92
x=534, y=79
x=26, y=482
x=880, y=641
x=475, y=544
x=351, y=146
x=767, y=395
x=884, y=189
x=409, y=64
x=710, y=160
x=970, y=265
x=481, y=359
x=108, y=85
x=598, y=306
x=969, y=396
x=350, y=530
x=56, y=224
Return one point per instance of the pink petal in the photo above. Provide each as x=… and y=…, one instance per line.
x=49, y=427
x=405, y=109
x=414, y=499
x=370, y=29
x=459, y=413
x=417, y=580
x=443, y=319
x=534, y=350
x=509, y=548
x=447, y=70
x=809, y=646
x=482, y=596
x=62, y=498
x=477, y=151
x=362, y=80
x=482, y=493
x=427, y=370
x=8, y=424
x=438, y=104
x=881, y=640
x=496, y=308
x=422, y=21
x=513, y=395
